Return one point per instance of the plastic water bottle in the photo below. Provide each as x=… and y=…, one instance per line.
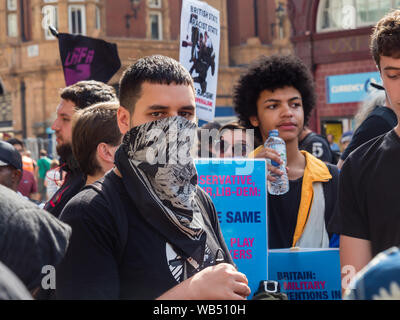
x=281, y=184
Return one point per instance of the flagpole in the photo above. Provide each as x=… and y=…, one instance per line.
x=53, y=31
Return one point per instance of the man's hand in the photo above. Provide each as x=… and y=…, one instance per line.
x=273, y=155
x=219, y=282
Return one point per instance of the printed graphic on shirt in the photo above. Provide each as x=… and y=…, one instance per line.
x=317, y=149
x=176, y=263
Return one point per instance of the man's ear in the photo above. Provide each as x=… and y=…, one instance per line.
x=104, y=152
x=16, y=176
x=123, y=118
x=254, y=121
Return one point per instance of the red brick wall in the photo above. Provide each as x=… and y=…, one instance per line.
x=175, y=7
x=116, y=22
x=241, y=21
x=341, y=109
x=240, y=13
x=265, y=16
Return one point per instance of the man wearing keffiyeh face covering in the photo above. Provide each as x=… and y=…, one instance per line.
x=146, y=230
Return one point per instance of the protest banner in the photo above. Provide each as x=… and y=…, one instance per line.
x=239, y=196
x=85, y=58
x=306, y=274
x=199, y=53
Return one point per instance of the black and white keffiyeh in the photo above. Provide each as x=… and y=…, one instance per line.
x=161, y=179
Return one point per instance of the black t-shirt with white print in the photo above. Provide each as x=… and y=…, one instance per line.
x=101, y=263
x=369, y=196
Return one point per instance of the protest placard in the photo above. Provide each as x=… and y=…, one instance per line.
x=306, y=274
x=199, y=53
x=239, y=196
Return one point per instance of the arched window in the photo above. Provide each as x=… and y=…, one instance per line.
x=335, y=15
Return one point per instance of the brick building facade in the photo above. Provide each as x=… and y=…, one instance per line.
x=331, y=49
x=30, y=69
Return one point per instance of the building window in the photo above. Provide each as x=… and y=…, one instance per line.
x=155, y=25
x=12, y=18
x=335, y=15
x=98, y=18
x=154, y=3
x=155, y=19
x=12, y=5
x=50, y=18
x=12, y=25
x=77, y=19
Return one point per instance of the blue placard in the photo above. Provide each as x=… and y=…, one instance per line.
x=350, y=87
x=307, y=274
x=238, y=191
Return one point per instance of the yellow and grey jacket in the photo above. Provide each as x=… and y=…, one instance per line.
x=318, y=202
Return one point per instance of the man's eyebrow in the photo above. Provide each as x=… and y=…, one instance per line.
x=391, y=68
x=190, y=107
x=277, y=100
x=64, y=114
x=160, y=107
x=157, y=107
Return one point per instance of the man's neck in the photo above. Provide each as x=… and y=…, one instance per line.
x=397, y=130
x=95, y=177
x=296, y=162
x=117, y=172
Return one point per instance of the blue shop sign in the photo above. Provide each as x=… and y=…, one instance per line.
x=351, y=87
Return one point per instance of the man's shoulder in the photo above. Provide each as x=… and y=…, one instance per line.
x=364, y=158
x=372, y=147
x=333, y=169
x=92, y=199
x=314, y=137
x=12, y=202
x=27, y=175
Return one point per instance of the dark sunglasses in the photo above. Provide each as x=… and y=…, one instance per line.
x=239, y=148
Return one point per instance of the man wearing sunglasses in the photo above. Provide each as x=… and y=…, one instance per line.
x=235, y=141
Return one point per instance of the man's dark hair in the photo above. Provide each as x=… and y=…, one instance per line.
x=153, y=69
x=232, y=126
x=385, y=38
x=271, y=73
x=15, y=141
x=86, y=93
x=92, y=126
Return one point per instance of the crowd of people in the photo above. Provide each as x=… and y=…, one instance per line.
x=124, y=217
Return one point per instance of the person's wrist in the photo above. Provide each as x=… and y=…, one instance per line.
x=192, y=292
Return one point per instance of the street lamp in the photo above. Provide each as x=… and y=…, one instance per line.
x=135, y=4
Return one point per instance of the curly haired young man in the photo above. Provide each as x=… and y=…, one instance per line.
x=277, y=92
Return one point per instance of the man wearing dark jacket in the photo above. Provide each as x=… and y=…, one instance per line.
x=77, y=96
x=30, y=239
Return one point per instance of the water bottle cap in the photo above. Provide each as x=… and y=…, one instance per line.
x=274, y=133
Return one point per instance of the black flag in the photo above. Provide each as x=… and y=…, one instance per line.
x=85, y=58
